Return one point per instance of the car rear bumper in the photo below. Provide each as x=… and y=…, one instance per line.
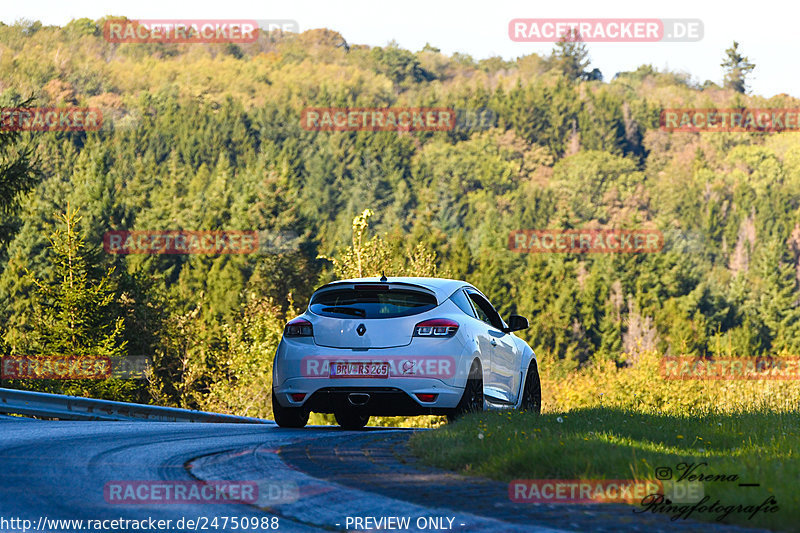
x=426, y=366
x=374, y=396
x=374, y=401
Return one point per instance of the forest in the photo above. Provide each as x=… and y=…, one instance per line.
x=210, y=137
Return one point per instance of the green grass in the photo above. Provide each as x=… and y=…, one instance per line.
x=604, y=443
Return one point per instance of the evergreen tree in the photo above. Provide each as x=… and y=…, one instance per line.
x=571, y=57
x=18, y=174
x=776, y=296
x=737, y=68
x=75, y=314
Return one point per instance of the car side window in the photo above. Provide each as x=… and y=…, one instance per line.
x=463, y=303
x=485, y=311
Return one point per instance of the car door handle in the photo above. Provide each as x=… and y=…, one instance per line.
x=494, y=342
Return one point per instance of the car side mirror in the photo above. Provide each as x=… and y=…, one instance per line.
x=516, y=323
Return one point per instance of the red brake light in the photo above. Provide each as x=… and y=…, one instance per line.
x=299, y=327
x=425, y=397
x=298, y=396
x=436, y=327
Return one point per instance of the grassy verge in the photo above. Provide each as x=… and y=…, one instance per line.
x=607, y=443
x=604, y=422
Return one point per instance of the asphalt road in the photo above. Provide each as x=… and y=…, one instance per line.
x=314, y=479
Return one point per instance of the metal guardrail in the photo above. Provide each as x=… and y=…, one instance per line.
x=76, y=408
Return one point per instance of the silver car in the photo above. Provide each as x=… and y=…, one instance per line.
x=401, y=347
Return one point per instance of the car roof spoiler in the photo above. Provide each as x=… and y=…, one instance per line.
x=377, y=285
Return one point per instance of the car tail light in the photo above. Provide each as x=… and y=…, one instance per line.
x=437, y=327
x=425, y=397
x=299, y=327
x=298, y=396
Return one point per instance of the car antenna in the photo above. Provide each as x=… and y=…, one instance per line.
x=383, y=277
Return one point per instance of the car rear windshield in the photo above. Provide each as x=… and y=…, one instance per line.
x=371, y=303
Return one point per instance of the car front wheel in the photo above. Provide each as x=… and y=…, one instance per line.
x=532, y=393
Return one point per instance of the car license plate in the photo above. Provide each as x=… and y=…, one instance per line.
x=352, y=369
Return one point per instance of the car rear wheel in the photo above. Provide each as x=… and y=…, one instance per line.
x=532, y=393
x=472, y=399
x=288, y=417
x=350, y=419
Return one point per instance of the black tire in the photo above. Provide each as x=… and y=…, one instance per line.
x=350, y=419
x=288, y=417
x=472, y=399
x=532, y=393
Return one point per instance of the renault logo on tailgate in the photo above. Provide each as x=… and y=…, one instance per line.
x=361, y=329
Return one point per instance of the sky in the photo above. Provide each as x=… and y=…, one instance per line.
x=767, y=30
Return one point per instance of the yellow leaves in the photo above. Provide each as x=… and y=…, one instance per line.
x=382, y=255
x=640, y=388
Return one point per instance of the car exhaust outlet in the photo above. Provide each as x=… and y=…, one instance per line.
x=358, y=398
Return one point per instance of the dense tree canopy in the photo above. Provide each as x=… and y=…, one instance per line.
x=203, y=137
